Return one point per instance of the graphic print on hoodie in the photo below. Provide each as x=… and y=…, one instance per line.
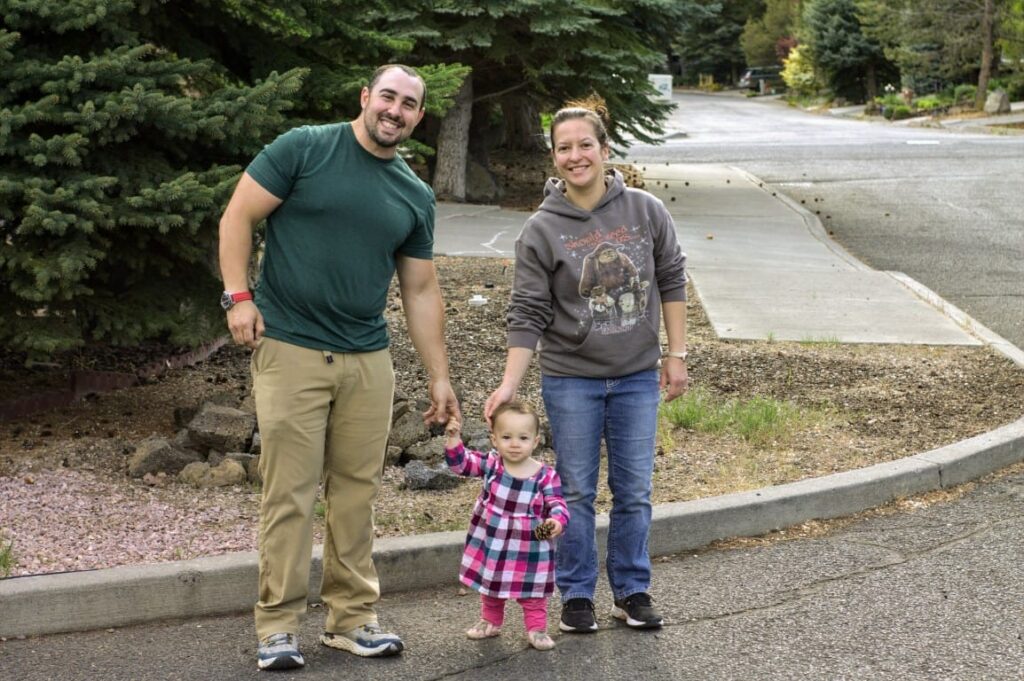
x=589, y=284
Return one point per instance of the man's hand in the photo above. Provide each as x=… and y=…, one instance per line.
x=443, y=404
x=674, y=377
x=245, y=323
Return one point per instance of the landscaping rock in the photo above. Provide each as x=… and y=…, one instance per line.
x=224, y=429
x=156, y=454
x=419, y=475
x=202, y=474
x=408, y=429
x=997, y=102
x=430, y=450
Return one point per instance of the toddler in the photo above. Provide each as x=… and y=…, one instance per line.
x=509, y=550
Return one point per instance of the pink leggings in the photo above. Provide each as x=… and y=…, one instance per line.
x=535, y=611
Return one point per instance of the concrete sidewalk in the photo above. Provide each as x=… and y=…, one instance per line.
x=763, y=267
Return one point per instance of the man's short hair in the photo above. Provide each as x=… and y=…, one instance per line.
x=408, y=70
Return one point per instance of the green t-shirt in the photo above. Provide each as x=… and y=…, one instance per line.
x=331, y=246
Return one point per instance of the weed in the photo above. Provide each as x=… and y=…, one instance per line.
x=6, y=557
x=824, y=341
x=319, y=509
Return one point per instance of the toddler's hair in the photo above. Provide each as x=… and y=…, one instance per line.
x=516, y=407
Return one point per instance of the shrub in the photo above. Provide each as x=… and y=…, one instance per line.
x=964, y=94
x=899, y=112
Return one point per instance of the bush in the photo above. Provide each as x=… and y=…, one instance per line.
x=1015, y=87
x=931, y=103
x=964, y=94
x=899, y=112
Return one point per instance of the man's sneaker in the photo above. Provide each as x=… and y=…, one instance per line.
x=578, y=616
x=637, y=612
x=365, y=641
x=279, y=651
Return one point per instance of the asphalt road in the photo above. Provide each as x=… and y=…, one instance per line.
x=931, y=593
x=943, y=207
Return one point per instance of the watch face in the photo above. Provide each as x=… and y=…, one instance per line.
x=225, y=301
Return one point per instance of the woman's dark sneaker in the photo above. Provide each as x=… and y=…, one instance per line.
x=578, y=616
x=636, y=611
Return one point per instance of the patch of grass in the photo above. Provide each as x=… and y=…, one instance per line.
x=758, y=420
x=319, y=509
x=6, y=557
x=825, y=341
x=770, y=337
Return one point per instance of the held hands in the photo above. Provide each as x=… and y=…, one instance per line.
x=245, y=323
x=443, y=404
x=453, y=432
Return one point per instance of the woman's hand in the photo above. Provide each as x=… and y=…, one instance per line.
x=504, y=393
x=674, y=377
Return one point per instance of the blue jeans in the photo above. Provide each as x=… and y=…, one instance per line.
x=625, y=411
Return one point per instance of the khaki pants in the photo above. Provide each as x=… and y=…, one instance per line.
x=319, y=421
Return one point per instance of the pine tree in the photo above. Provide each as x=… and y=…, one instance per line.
x=707, y=37
x=124, y=125
x=530, y=56
x=850, y=59
x=116, y=154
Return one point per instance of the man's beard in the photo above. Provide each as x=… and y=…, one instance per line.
x=386, y=143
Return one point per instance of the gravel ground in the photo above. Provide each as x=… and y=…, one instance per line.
x=68, y=503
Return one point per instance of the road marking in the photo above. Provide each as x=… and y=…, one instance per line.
x=922, y=141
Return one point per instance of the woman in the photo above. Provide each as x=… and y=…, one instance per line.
x=594, y=265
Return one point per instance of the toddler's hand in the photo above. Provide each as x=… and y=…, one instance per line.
x=453, y=431
x=549, y=529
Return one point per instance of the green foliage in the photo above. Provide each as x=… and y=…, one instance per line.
x=707, y=37
x=758, y=420
x=124, y=125
x=799, y=73
x=761, y=36
x=848, y=57
x=935, y=42
x=518, y=58
x=7, y=560
x=964, y=94
x=118, y=154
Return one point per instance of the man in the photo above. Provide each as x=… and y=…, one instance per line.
x=344, y=213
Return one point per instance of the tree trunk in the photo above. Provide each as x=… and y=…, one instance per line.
x=871, y=84
x=453, y=146
x=987, y=20
x=522, y=125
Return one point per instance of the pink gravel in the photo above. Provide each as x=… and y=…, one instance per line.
x=73, y=520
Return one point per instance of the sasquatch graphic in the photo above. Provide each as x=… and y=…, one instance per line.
x=608, y=267
x=602, y=305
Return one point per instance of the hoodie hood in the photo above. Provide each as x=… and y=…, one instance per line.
x=555, y=200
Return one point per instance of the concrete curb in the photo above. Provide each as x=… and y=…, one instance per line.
x=226, y=584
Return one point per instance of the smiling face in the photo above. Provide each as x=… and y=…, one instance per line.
x=578, y=155
x=391, y=111
x=515, y=436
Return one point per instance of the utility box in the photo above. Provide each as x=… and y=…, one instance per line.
x=662, y=83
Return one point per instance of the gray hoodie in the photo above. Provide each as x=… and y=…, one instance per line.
x=589, y=284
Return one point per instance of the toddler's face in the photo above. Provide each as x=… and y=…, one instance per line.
x=515, y=436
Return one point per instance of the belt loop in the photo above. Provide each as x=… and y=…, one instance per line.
x=328, y=357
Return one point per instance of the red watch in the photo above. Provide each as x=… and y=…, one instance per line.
x=228, y=300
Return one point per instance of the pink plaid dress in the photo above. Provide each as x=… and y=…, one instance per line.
x=502, y=558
